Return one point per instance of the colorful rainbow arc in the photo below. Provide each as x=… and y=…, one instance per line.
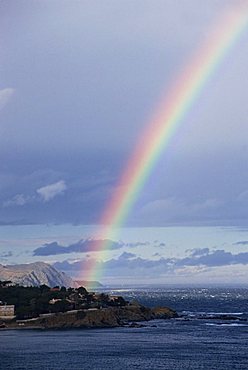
x=159, y=132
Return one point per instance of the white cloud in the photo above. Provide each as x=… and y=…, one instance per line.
x=17, y=200
x=48, y=192
x=5, y=95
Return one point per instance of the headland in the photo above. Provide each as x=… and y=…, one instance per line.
x=65, y=308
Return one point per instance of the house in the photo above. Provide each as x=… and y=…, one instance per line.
x=55, y=289
x=7, y=311
x=53, y=300
x=6, y=284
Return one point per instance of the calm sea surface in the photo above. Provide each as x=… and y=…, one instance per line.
x=200, y=339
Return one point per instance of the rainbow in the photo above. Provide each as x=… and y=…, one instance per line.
x=160, y=130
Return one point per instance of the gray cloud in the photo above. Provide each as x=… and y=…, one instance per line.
x=241, y=242
x=128, y=263
x=127, y=256
x=6, y=254
x=82, y=246
x=213, y=258
x=137, y=244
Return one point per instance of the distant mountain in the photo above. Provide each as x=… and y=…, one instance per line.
x=35, y=274
x=88, y=284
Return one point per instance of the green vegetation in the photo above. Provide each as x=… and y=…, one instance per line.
x=32, y=301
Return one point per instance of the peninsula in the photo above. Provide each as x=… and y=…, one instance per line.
x=60, y=307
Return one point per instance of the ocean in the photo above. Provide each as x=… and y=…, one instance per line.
x=211, y=333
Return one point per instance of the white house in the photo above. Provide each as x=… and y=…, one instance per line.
x=7, y=311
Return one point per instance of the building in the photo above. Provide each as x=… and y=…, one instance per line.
x=53, y=300
x=7, y=311
x=6, y=284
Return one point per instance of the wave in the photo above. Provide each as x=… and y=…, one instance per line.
x=201, y=313
x=231, y=324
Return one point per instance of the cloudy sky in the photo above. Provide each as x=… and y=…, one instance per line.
x=80, y=80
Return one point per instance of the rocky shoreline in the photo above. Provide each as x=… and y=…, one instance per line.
x=109, y=317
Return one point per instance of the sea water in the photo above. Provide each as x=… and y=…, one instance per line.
x=211, y=333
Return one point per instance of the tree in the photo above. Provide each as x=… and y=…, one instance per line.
x=44, y=288
x=82, y=290
x=61, y=306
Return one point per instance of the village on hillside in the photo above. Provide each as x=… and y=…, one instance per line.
x=23, y=303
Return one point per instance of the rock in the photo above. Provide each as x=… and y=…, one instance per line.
x=135, y=312
x=136, y=325
x=134, y=302
x=79, y=319
x=163, y=313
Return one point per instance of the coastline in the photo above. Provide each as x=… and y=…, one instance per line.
x=110, y=317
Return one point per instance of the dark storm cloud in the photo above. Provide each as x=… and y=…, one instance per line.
x=87, y=194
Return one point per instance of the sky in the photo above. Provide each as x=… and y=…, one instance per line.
x=80, y=80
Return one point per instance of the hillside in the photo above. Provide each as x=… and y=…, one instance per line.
x=35, y=274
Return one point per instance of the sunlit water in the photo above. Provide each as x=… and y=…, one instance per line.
x=194, y=341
